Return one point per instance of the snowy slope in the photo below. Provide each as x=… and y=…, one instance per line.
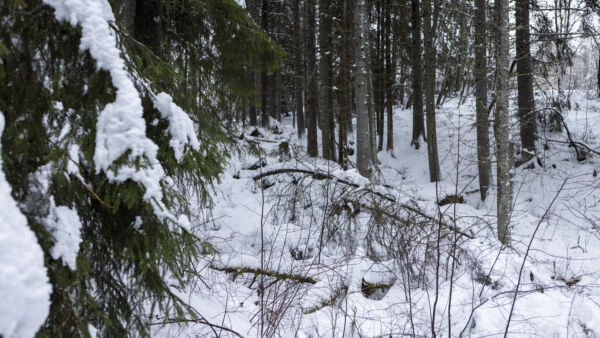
x=558, y=294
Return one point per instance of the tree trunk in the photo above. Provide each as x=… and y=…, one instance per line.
x=481, y=84
x=418, y=131
x=264, y=90
x=389, y=77
x=527, y=116
x=501, y=128
x=363, y=155
x=253, y=113
x=349, y=45
x=327, y=135
x=598, y=74
x=430, y=62
x=343, y=138
x=311, y=73
x=146, y=24
x=298, y=69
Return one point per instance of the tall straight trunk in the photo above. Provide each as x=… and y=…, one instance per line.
x=342, y=133
x=129, y=14
x=298, y=69
x=481, y=84
x=146, y=24
x=501, y=128
x=372, y=117
x=277, y=96
x=265, y=88
x=377, y=86
x=598, y=75
x=418, y=130
x=429, y=83
x=327, y=135
x=311, y=74
x=527, y=116
x=363, y=153
x=349, y=45
x=253, y=113
x=389, y=76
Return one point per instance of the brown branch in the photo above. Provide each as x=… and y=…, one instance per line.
x=197, y=321
x=278, y=275
x=88, y=188
x=318, y=175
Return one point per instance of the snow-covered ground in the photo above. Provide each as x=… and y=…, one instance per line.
x=326, y=238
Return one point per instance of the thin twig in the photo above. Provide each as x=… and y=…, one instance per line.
x=512, y=307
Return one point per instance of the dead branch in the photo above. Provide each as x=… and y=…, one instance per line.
x=318, y=175
x=236, y=271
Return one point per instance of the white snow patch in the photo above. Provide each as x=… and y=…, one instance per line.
x=181, y=126
x=24, y=287
x=64, y=224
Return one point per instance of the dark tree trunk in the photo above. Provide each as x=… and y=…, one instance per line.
x=264, y=90
x=253, y=109
x=146, y=24
x=327, y=125
x=430, y=67
x=342, y=108
x=349, y=55
x=298, y=69
x=389, y=76
x=311, y=73
x=481, y=87
x=417, y=76
x=527, y=116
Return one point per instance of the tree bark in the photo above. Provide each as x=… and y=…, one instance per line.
x=311, y=73
x=418, y=130
x=363, y=155
x=343, y=138
x=147, y=24
x=481, y=84
x=264, y=90
x=430, y=66
x=501, y=128
x=327, y=125
x=527, y=116
x=298, y=69
x=389, y=77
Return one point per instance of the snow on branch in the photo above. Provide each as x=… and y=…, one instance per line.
x=121, y=127
x=24, y=288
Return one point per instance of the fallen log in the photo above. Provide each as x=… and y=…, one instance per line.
x=319, y=175
x=236, y=271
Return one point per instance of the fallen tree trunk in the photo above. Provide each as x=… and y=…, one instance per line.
x=236, y=271
x=319, y=175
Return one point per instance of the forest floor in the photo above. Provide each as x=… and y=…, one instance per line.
x=332, y=254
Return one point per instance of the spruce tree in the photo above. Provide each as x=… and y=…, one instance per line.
x=53, y=93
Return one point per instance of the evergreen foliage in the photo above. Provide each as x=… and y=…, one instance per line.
x=51, y=93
